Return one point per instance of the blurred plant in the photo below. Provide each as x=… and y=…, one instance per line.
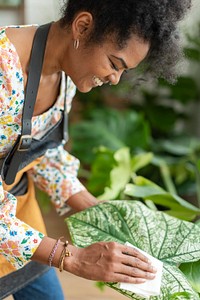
x=113, y=129
x=193, y=50
x=110, y=128
x=181, y=154
x=112, y=175
x=112, y=170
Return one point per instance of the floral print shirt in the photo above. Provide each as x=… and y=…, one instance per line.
x=56, y=173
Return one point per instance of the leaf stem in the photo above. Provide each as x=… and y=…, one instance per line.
x=165, y=173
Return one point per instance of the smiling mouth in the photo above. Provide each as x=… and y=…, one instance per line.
x=97, y=81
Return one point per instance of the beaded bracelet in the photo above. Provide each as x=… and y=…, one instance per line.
x=53, y=251
x=65, y=253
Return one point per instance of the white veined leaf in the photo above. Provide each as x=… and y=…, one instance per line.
x=171, y=240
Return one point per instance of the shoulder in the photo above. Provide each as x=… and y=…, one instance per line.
x=21, y=34
x=22, y=38
x=17, y=34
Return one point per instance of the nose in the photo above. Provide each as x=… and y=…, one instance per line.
x=114, y=78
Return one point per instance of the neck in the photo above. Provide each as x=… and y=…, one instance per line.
x=58, y=43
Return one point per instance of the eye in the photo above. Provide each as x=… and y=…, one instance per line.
x=113, y=66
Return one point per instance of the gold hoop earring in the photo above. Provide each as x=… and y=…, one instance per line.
x=76, y=44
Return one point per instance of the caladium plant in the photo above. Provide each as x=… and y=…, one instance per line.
x=171, y=240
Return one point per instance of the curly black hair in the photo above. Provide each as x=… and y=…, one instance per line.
x=155, y=21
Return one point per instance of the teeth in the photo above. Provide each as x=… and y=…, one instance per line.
x=97, y=81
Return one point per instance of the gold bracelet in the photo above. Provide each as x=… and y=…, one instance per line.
x=65, y=253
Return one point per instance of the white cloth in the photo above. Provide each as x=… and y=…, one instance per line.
x=150, y=287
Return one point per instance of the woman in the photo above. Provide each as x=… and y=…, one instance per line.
x=93, y=44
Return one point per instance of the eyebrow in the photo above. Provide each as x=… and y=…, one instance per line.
x=122, y=61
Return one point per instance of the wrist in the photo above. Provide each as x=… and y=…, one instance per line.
x=82, y=200
x=44, y=251
x=71, y=262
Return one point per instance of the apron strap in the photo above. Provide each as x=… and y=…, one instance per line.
x=23, y=142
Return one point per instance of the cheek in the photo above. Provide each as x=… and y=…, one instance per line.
x=90, y=62
x=83, y=66
x=80, y=69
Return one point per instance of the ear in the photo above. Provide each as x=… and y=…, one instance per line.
x=82, y=25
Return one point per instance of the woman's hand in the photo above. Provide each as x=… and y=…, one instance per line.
x=110, y=262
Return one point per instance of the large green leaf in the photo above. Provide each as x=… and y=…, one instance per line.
x=111, y=171
x=109, y=128
x=115, y=169
x=191, y=271
x=141, y=160
x=179, y=146
x=100, y=171
x=148, y=190
x=119, y=175
x=171, y=240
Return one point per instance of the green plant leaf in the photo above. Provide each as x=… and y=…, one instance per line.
x=193, y=54
x=182, y=214
x=141, y=160
x=113, y=170
x=171, y=240
x=142, y=181
x=179, y=146
x=148, y=190
x=182, y=296
x=161, y=117
x=109, y=128
x=191, y=271
x=100, y=171
x=142, y=191
x=119, y=175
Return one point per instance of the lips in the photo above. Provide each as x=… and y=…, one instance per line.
x=97, y=81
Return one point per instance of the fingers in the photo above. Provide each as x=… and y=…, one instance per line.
x=129, y=274
x=135, y=253
x=136, y=273
x=138, y=264
x=126, y=279
x=131, y=264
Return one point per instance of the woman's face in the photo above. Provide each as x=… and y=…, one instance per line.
x=96, y=65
